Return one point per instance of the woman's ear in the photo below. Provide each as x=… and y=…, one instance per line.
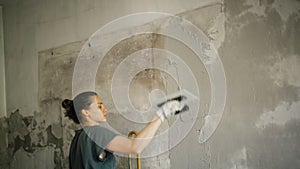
x=85, y=112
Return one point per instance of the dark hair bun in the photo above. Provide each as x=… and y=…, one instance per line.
x=67, y=104
x=70, y=110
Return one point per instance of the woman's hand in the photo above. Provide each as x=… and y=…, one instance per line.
x=169, y=109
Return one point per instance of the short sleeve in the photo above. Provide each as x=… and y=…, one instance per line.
x=100, y=135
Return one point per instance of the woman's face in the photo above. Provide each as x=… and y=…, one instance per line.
x=97, y=111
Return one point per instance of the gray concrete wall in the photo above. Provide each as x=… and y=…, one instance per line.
x=2, y=69
x=257, y=42
x=32, y=26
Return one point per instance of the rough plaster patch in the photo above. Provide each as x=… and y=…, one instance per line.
x=286, y=8
x=217, y=31
x=255, y=8
x=43, y=157
x=239, y=159
x=57, y=130
x=27, y=140
x=282, y=114
x=286, y=70
x=17, y=127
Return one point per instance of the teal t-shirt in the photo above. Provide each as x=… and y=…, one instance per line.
x=86, y=154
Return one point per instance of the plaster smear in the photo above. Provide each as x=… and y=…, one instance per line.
x=287, y=71
x=255, y=8
x=286, y=8
x=282, y=114
x=217, y=31
x=239, y=159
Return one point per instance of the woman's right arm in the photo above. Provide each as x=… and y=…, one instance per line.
x=139, y=143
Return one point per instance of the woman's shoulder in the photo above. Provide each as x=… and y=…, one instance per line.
x=97, y=129
x=100, y=134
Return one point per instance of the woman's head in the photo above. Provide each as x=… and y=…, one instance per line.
x=85, y=107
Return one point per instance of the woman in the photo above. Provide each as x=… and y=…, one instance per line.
x=93, y=145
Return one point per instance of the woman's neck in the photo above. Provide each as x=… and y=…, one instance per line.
x=90, y=123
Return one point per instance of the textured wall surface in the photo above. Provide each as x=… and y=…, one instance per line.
x=260, y=128
x=257, y=41
x=2, y=69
